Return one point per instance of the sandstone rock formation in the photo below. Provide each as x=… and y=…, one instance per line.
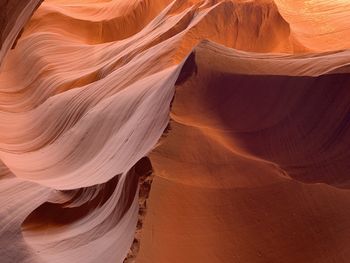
x=174, y=131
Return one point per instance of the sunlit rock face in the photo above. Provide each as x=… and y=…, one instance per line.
x=320, y=25
x=13, y=16
x=174, y=131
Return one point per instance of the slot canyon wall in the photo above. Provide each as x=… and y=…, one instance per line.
x=174, y=131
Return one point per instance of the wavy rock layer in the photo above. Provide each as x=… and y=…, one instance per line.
x=255, y=167
x=252, y=168
x=13, y=16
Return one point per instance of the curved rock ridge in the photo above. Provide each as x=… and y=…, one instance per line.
x=255, y=165
x=321, y=25
x=13, y=17
x=236, y=112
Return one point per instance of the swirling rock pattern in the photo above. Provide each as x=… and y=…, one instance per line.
x=237, y=111
x=13, y=16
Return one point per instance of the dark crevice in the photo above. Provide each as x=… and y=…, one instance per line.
x=144, y=171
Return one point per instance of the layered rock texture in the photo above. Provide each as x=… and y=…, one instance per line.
x=174, y=131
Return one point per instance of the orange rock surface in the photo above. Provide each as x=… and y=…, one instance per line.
x=174, y=131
